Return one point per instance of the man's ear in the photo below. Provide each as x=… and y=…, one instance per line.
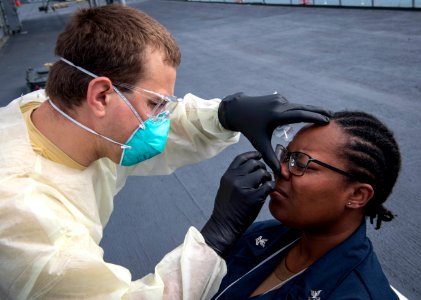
x=360, y=194
x=98, y=95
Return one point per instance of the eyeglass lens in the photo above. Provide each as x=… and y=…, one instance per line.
x=297, y=161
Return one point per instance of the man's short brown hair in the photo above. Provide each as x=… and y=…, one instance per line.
x=108, y=41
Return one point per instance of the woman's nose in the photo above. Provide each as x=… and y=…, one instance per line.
x=284, y=170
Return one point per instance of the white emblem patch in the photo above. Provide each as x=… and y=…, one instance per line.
x=261, y=241
x=314, y=295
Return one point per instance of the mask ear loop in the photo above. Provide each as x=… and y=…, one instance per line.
x=123, y=146
x=142, y=125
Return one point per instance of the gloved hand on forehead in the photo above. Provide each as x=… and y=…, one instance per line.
x=241, y=194
x=257, y=117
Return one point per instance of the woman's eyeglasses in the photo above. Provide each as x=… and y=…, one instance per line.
x=299, y=161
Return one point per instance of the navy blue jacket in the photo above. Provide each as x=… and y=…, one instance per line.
x=351, y=270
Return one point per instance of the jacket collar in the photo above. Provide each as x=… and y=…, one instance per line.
x=321, y=278
x=332, y=268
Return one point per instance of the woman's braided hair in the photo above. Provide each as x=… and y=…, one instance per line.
x=373, y=156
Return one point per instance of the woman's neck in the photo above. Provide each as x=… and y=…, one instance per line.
x=314, y=245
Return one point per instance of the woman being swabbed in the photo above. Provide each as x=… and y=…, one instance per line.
x=332, y=178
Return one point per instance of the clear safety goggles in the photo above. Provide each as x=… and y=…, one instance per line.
x=157, y=107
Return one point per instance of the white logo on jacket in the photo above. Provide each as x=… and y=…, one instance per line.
x=314, y=295
x=261, y=241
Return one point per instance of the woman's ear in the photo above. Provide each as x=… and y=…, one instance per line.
x=360, y=194
x=98, y=95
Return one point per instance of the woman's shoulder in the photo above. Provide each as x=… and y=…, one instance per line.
x=366, y=281
x=372, y=276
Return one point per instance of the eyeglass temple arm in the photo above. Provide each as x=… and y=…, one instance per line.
x=332, y=168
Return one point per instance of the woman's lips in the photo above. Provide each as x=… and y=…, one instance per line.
x=279, y=193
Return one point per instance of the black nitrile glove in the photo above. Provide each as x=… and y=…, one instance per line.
x=241, y=194
x=257, y=118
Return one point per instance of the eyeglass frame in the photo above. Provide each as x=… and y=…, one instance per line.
x=287, y=156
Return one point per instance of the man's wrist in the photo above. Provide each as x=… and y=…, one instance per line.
x=221, y=115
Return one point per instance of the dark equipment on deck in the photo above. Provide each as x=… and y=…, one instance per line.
x=36, y=78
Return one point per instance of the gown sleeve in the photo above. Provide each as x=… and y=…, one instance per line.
x=46, y=253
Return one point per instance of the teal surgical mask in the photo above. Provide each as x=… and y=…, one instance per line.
x=147, y=141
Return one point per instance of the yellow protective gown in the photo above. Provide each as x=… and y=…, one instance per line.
x=52, y=217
